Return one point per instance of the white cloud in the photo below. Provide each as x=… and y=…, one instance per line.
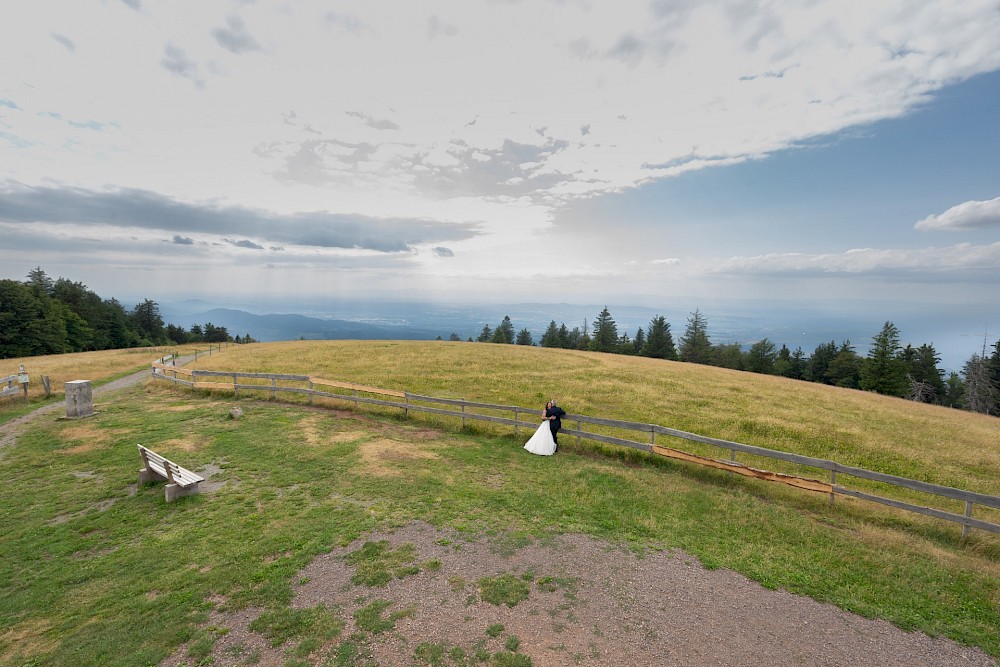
x=965, y=216
x=964, y=260
x=483, y=117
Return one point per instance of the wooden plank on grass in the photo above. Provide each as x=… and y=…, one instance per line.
x=357, y=387
x=739, y=469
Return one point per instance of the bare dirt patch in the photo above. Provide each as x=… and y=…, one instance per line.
x=585, y=602
x=383, y=456
x=182, y=444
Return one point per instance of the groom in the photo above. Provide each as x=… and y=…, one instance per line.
x=554, y=413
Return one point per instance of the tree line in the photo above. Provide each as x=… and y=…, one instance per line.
x=43, y=316
x=889, y=367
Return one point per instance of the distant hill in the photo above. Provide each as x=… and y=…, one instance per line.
x=275, y=327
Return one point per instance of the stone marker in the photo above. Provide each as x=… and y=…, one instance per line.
x=79, y=399
x=235, y=413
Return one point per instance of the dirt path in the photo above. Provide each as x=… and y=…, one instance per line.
x=585, y=602
x=10, y=430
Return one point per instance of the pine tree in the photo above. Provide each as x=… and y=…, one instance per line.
x=504, y=332
x=884, y=370
x=815, y=370
x=797, y=365
x=980, y=394
x=551, y=336
x=844, y=369
x=761, y=357
x=926, y=380
x=727, y=355
x=486, y=335
x=605, y=333
x=695, y=345
x=659, y=342
x=640, y=341
x=954, y=392
x=524, y=337
x=566, y=340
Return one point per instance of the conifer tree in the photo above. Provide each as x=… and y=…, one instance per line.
x=761, y=357
x=524, y=337
x=659, y=342
x=605, y=337
x=551, y=336
x=980, y=394
x=504, y=332
x=844, y=370
x=486, y=335
x=640, y=341
x=695, y=345
x=884, y=371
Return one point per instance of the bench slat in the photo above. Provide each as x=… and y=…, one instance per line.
x=167, y=469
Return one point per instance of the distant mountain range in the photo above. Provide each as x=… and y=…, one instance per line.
x=273, y=327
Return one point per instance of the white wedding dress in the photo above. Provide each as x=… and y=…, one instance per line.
x=541, y=442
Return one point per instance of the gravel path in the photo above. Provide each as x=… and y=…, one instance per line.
x=588, y=603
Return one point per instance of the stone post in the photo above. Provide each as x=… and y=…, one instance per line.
x=79, y=399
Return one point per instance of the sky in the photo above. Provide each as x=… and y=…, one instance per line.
x=644, y=153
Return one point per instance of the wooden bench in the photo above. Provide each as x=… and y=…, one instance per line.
x=180, y=481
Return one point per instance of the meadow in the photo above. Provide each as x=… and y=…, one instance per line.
x=95, y=570
x=98, y=367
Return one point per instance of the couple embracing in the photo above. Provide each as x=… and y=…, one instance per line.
x=544, y=441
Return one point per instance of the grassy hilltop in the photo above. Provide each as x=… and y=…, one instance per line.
x=95, y=571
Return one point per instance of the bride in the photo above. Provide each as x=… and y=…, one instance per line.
x=541, y=442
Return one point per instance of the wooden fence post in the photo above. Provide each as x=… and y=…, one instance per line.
x=579, y=428
x=463, y=414
x=274, y=389
x=833, y=482
x=235, y=390
x=311, y=392
x=965, y=526
x=517, y=427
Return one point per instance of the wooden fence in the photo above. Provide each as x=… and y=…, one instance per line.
x=10, y=386
x=467, y=410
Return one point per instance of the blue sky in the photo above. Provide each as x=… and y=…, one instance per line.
x=648, y=153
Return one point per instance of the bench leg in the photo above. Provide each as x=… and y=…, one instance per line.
x=149, y=477
x=172, y=491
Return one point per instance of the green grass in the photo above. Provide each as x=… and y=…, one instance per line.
x=504, y=589
x=96, y=571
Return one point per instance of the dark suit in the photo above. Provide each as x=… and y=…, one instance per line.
x=555, y=424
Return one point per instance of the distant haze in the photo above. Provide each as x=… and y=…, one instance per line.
x=732, y=322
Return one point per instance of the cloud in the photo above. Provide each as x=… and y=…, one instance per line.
x=435, y=27
x=235, y=37
x=134, y=4
x=628, y=48
x=183, y=240
x=965, y=216
x=370, y=121
x=244, y=243
x=514, y=169
x=10, y=104
x=147, y=210
x=80, y=124
x=349, y=23
x=176, y=61
x=962, y=261
x=443, y=252
x=65, y=41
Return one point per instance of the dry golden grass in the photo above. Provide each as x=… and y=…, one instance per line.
x=93, y=366
x=937, y=444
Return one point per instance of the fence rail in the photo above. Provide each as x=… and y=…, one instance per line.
x=362, y=394
x=10, y=386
